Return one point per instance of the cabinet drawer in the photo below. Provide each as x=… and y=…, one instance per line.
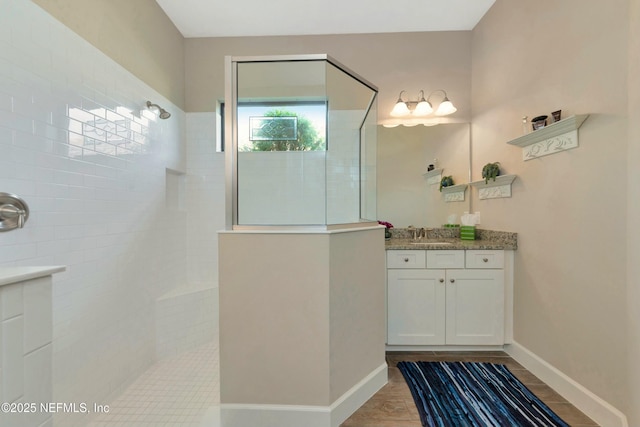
x=406, y=259
x=445, y=259
x=485, y=259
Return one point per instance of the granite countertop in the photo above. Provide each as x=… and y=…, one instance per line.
x=444, y=239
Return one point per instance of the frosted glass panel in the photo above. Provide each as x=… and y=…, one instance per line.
x=281, y=187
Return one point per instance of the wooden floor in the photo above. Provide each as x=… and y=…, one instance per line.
x=393, y=405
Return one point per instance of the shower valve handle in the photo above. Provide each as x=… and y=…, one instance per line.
x=8, y=211
x=14, y=212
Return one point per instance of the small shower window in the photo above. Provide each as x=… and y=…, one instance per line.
x=290, y=126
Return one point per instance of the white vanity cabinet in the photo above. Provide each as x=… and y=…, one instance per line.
x=447, y=297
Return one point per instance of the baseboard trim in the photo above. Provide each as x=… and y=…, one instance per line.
x=395, y=347
x=242, y=415
x=579, y=396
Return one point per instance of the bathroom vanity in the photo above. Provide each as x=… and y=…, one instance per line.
x=448, y=292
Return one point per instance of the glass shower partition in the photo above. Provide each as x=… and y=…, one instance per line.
x=302, y=144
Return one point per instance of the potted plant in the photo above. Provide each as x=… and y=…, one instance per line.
x=490, y=171
x=446, y=181
x=387, y=230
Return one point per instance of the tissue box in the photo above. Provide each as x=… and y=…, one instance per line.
x=468, y=232
x=451, y=225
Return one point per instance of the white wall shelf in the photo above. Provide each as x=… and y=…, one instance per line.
x=551, y=139
x=497, y=189
x=454, y=193
x=433, y=176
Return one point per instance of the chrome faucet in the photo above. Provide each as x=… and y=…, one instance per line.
x=417, y=233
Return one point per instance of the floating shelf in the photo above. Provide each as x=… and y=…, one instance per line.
x=433, y=176
x=551, y=139
x=499, y=188
x=454, y=193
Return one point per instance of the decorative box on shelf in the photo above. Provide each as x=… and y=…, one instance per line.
x=551, y=139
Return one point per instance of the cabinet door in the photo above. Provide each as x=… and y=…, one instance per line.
x=415, y=307
x=475, y=307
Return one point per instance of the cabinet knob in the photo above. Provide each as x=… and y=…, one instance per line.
x=406, y=260
x=485, y=259
x=452, y=280
x=441, y=280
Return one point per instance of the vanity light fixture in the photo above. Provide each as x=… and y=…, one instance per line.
x=422, y=107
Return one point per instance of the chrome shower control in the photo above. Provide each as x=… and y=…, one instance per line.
x=14, y=212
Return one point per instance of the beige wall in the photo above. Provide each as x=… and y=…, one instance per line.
x=393, y=62
x=356, y=299
x=300, y=315
x=633, y=216
x=273, y=319
x=569, y=209
x=136, y=34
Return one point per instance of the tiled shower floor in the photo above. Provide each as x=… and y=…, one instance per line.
x=181, y=391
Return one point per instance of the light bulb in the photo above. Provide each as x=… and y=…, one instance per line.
x=423, y=108
x=400, y=109
x=445, y=108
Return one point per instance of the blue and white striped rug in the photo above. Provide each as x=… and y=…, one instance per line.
x=470, y=394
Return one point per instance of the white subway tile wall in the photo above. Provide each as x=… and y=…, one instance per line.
x=77, y=143
x=205, y=198
x=185, y=319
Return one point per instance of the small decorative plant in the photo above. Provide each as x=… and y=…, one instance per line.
x=446, y=181
x=490, y=171
x=387, y=230
x=386, y=224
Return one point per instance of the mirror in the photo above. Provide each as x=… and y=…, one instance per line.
x=404, y=153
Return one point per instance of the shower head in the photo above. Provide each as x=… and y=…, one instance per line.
x=164, y=114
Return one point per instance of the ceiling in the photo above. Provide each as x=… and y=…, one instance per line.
x=235, y=18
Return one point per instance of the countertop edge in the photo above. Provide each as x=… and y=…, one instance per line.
x=9, y=275
x=454, y=244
